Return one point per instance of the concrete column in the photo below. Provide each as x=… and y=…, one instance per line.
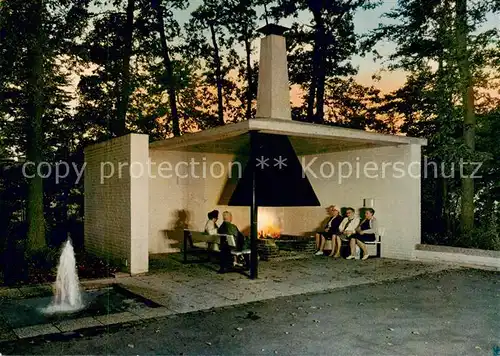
x=139, y=204
x=273, y=95
x=407, y=189
x=116, y=201
x=415, y=193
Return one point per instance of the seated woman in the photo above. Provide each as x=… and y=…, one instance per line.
x=365, y=232
x=346, y=229
x=211, y=225
x=211, y=228
x=331, y=230
x=318, y=235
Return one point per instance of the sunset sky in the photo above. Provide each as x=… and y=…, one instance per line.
x=364, y=22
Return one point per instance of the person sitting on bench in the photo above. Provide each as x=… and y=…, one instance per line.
x=347, y=228
x=365, y=232
x=228, y=228
x=331, y=230
x=211, y=226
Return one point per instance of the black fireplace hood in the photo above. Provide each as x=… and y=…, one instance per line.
x=279, y=177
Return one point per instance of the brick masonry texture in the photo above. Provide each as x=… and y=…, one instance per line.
x=107, y=202
x=116, y=210
x=269, y=249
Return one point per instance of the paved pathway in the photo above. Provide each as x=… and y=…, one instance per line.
x=180, y=288
x=453, y=312
x=184, y=288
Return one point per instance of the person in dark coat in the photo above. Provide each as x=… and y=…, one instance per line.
x=331, y=230
x=228, y=228
x=365, y=232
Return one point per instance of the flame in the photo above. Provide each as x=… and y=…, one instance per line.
x=268, y=225
x=270, y=231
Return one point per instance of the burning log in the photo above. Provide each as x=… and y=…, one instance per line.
x=269, y=233
x=270, y=225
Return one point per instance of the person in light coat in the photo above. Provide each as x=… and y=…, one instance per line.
x=211, y=225
x=211, y=228
x=347, y=228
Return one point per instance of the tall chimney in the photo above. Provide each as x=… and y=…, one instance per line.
x=273, y=93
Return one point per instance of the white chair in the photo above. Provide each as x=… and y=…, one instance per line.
x=231, y=241
x=378, y=240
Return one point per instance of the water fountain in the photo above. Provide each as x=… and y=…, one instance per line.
x=67, y=296
x=69, y=301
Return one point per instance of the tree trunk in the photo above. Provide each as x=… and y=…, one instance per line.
x=443, y=119
x=316, y=63
x=248, y=50
x=66, y=188
x=34, y=134
x=320, y=91
x=314, y=75
x=119, y=128
x=310, y=99
x=320, y=55
x=168, y=68
x=467, y=91
x=321, y=70
x=218, y=76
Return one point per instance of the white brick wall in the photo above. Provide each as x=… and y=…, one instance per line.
x=127, y=217
x=111, y=205
x=196, y=196
x=397, y=200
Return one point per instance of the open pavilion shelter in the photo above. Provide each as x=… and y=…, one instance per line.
x=138, y=193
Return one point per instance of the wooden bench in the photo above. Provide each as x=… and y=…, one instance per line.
x=200, y=241
x=196, y=241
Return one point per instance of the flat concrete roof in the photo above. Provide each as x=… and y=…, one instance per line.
x=306, y=138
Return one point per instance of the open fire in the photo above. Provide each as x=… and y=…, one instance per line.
x=270, y=232
x=269, y=225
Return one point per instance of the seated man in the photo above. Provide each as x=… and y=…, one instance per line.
x=365, y=232
x=331, y=229
x=347, y=228
x=228, y=228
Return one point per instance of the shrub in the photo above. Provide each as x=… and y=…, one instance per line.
x=436, y=238
x=485, y=238
x=42, y=265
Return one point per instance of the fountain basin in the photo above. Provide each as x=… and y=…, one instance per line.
x=113, y=299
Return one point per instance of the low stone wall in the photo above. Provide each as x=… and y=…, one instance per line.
x=267, y=249
x=274, y=248
x=301, y=245
x=466, y=257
